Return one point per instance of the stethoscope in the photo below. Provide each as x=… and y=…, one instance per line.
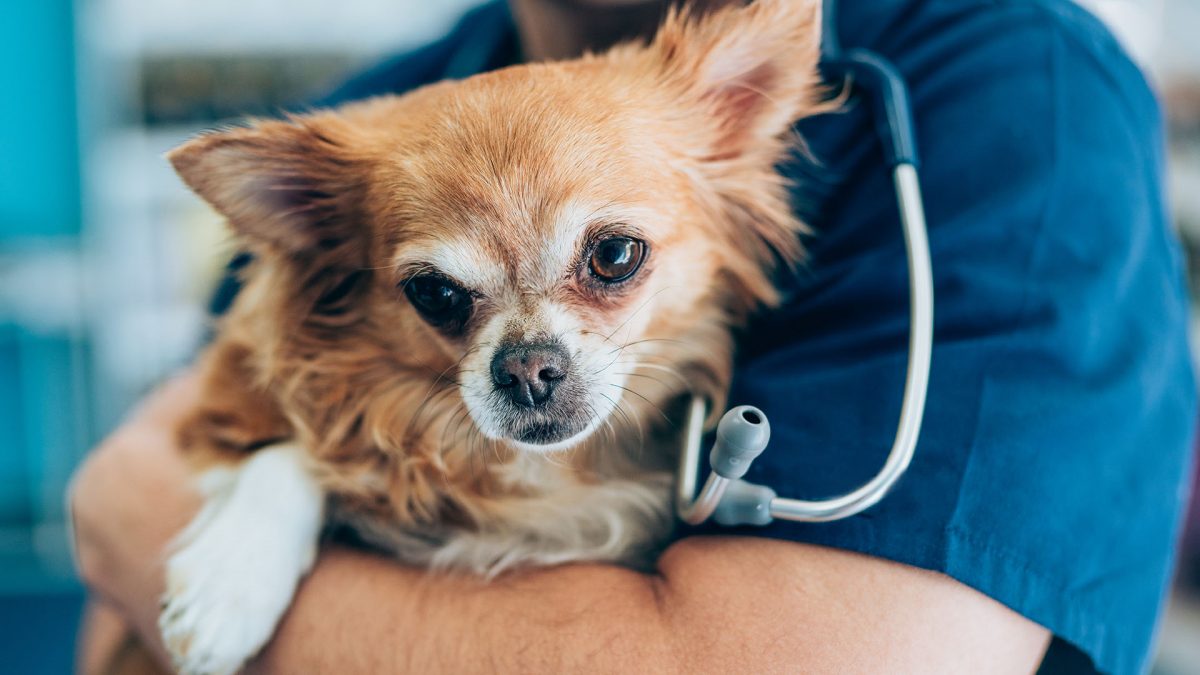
x=743, y=432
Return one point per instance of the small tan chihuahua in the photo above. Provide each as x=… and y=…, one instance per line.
x=470, y=305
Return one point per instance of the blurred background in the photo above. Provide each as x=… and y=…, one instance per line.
x=107, y=263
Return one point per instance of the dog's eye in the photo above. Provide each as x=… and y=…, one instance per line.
x=617, y=258
x=438, y=299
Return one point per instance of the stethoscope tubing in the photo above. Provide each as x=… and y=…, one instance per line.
x=748, y=503
x=696, y=509
x=916, y=381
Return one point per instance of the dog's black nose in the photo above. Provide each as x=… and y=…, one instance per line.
x=528, y=373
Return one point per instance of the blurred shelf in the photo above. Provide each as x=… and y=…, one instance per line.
x=362, y=27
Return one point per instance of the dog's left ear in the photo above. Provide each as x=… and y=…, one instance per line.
x=751, y=70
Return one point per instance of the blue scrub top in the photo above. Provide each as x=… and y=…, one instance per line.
x=1051, y=472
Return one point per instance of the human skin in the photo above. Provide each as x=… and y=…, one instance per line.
x=715, y=604
x=563, y=29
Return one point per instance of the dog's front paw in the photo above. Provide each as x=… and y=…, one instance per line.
x=215, y=617
x=236, y=567
x=225, y=594
x=209, y=634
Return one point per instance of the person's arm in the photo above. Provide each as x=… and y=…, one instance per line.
x=715, y=604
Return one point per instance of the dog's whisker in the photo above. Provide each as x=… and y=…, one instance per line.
x=610, y=430
x=640, y=307
x=648, y=401
x=652, y=378
x=416, y=415
x=433, y=396
x=620, y=351
x=627, y=419
x=455, y=421
x=674, y=372
x=475, y=449
x=599, y=335
x=647, y=341
x=622, y=415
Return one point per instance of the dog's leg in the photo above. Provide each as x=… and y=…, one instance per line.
x=233, y=571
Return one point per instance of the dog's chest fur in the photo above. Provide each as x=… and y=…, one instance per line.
x=551, y=516
x=608, y=500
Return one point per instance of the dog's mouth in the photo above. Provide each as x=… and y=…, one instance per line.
x=552, y=435
x=544, y=433
x=546, y=436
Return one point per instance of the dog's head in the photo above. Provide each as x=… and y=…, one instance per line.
x=553, y=239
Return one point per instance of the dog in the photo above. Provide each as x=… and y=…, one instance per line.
x=471, y=307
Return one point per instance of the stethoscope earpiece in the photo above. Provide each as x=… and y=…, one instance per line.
x=742, y=435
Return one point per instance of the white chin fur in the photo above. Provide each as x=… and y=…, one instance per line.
x=565, y=444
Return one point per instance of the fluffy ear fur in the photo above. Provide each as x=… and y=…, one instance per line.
x=286, y=187
x=752, y=70
x=746, y=74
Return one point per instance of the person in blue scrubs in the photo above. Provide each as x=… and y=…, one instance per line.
x=1051, y=472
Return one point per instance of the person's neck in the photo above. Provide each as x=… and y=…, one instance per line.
x=552, y=30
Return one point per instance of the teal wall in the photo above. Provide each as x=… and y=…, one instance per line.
x=43, y=360
x=39, y=198
x=39, y=154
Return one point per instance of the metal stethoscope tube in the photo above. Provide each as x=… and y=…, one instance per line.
x=756, y=505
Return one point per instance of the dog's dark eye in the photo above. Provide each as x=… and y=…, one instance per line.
x=617, y=258
x=438, y=299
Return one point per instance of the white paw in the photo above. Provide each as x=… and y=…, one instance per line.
x=235, y=569
x=222, y=604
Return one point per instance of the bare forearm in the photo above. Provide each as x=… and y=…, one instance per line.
x=717, y=605
x=358, y=613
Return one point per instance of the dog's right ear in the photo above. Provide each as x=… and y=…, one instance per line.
x=285, y=187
